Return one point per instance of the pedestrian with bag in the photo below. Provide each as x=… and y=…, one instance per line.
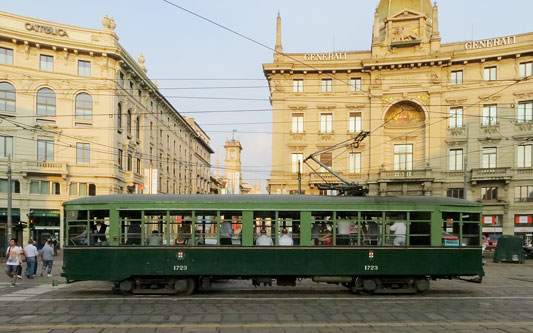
x=14, y=259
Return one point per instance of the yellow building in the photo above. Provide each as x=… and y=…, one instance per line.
x=440, y=116
x=79, y=116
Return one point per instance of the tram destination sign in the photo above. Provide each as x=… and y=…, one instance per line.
x=493, y=42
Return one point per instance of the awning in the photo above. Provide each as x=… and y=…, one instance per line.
x=44, y=213
x=14, y=211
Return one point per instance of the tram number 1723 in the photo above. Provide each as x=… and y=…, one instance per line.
x=180, y=267
x=371, y=267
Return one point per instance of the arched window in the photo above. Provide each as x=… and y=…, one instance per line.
x=84, y=106
x=138, y=128
x=128, y=122
x=46, y=102
x=119, y=117
x=7, y=97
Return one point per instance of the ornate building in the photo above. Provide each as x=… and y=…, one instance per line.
x=444, y=119
x=79, y=116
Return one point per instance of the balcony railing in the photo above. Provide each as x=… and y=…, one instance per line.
x=406, y=174
x=492, y=174
x=47, y=167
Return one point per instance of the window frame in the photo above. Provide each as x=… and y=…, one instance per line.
x=523, y=189
x=355, y=122
x=489, y=193
x=297, y=160
x=327, y=85
x=6, y=56
x=524, y=113
x=8, y=97
x=455, y=78
x=356, y=84
x=84, y=68
x=456, y=117
x=407, y=156
x=47, y=144
x=456, y=159
x=45, y=64
x=297, y=86
x=5, y=148
x=524, y=156
x=490, y=115
x=489, y=159
x=326, y=123
x=490, y=73
x=354, y=162
x=524, y=68
x=49, y=108
x=83, y=153
x=297, y=125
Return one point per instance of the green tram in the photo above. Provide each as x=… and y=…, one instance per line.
x=180, y=243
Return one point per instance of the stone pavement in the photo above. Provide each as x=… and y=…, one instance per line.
x=502, y=303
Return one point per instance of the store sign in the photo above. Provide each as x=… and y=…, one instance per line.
x=493, y=42
x=45, y=29
x=324, y=56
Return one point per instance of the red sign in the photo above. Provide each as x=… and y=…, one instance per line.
x=371, y=255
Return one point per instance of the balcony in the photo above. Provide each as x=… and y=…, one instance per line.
x=488, y=174
x=454, y=174
x=45, y=167
x=328, y=177
x=297, y=140
x=131, y=178
x=406, y=175
x=457, y=134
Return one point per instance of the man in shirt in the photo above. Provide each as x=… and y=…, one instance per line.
x=399, y=229
x=48, y=259
x=343, y=232
x=263, y=239
x=31, y=253
x=98, y=231
x=285, y=239
x=14, y=258
x=225, y=233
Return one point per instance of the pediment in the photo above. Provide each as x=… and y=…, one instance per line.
x=406, y=14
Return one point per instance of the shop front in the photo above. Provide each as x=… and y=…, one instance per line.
x=523, y=226
x=44, y=225
x=16, y=232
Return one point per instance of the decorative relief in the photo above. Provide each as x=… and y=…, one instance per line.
x=525, y=126
x=404, y=114
x=326, y=137
x=423, y=98
x=490, y=98
x=435, y=78
x=456, y=102
x=405, y=31
x=457, y=131
x=276, y=86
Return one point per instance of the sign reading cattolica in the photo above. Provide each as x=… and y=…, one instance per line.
x=45, y=29
x=325, y=56
x=493, y=42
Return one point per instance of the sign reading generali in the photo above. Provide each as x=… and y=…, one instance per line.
x=493, y=42
x=45, y=29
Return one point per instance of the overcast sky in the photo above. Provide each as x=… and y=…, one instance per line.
x=201, y=67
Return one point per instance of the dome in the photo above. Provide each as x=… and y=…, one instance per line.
x=388, y=7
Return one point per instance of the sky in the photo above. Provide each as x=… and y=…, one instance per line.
x=216, y=77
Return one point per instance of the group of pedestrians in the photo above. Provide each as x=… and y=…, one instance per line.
x=16, y=255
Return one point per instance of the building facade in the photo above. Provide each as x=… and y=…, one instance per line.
x=79, y=116
x=444, y=119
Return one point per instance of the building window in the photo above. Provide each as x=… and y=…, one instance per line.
x=119, y=118
x=15, y=186
x=525, y=112
x=47, y=63
x=326, y=120
x=6, y=146
x=524, y=156
x=7, y=97
x=456, y=117
x=46, y=102
x=519, y=219
x=354, y=163
x=84, y=106
x=355, y=84
x=489, y=193
x=131, y=88
x=6, y=56
x=489, y=156
x=121, y=79
x=130, y=162
x=327, y=85
x=403, y=157
x=119, y=158
x=297, y=123
x=455, y=193
x=296, y=162
x=354, y=122
x=523, y=194
x=298, y=86
x=44, y=187
x=489, y=115
x=84, y=68
x=526, y=69
x=456, y=77
x=456, y=159
x=82, y=189
x=138, y=129
x=491, y=73
x=151, y=129
x=128, y=122
x=45, y=150
x=491, y=219
x=83, y=153
x=138, y=169
x=139, y=95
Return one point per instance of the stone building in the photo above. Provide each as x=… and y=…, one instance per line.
x=444, y=119
x=79, y=116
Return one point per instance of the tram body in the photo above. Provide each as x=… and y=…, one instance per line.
x=179, y=243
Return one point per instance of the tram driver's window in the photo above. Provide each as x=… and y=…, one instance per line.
x=371, y=228
x=264, y=228
x=206, y=228
x=230, y=227
x=180, y=227
x=322, y=228
x=130, y=227
x=450, y=228
x=289, y=228
x=77, y=225
x=99, y=227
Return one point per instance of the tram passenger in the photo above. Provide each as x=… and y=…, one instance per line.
x=134, y=233
x=263, y=239
x=372, y=233
x=180, y=240
x=98, y=233
x=226, y=232
x=315, y=232
x=343, y=233
x=399, y=229
x=326, y=238
x=285, y=239
x=155, y=238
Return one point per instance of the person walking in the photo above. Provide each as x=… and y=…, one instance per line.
x=14, y=259
x=30, y=252
x=48, y=259
x=36, y=258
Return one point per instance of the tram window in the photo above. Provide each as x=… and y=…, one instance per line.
x=419, y=233
x=395, y=228
x=289, y=221
x=471, y=229
x=206, y=228
x=347, y=228
x=230, y=227
x=154, y=227
x=77, y=226
x=99, y=223
x=180, y=227
x=264, y=221
x=372, y=227
x=451, y=228
x=130, y=227
x=322, y=228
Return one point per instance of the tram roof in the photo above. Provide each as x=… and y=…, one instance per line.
x=265, y=199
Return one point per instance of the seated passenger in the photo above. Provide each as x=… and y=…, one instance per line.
x=264, y=240
x=226, y=232
x=180, y=240
x=285, y=239
x=399, y=229
x=326, y=238
x=98, y=231
x=343, y=232
x=155, y=238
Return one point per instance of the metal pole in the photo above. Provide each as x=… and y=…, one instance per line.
x=465, y=158
x=9, y=198
x=299, y=176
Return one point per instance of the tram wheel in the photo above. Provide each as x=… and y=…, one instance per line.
x=125, y=286
x=422, y=285
x=185, y=286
